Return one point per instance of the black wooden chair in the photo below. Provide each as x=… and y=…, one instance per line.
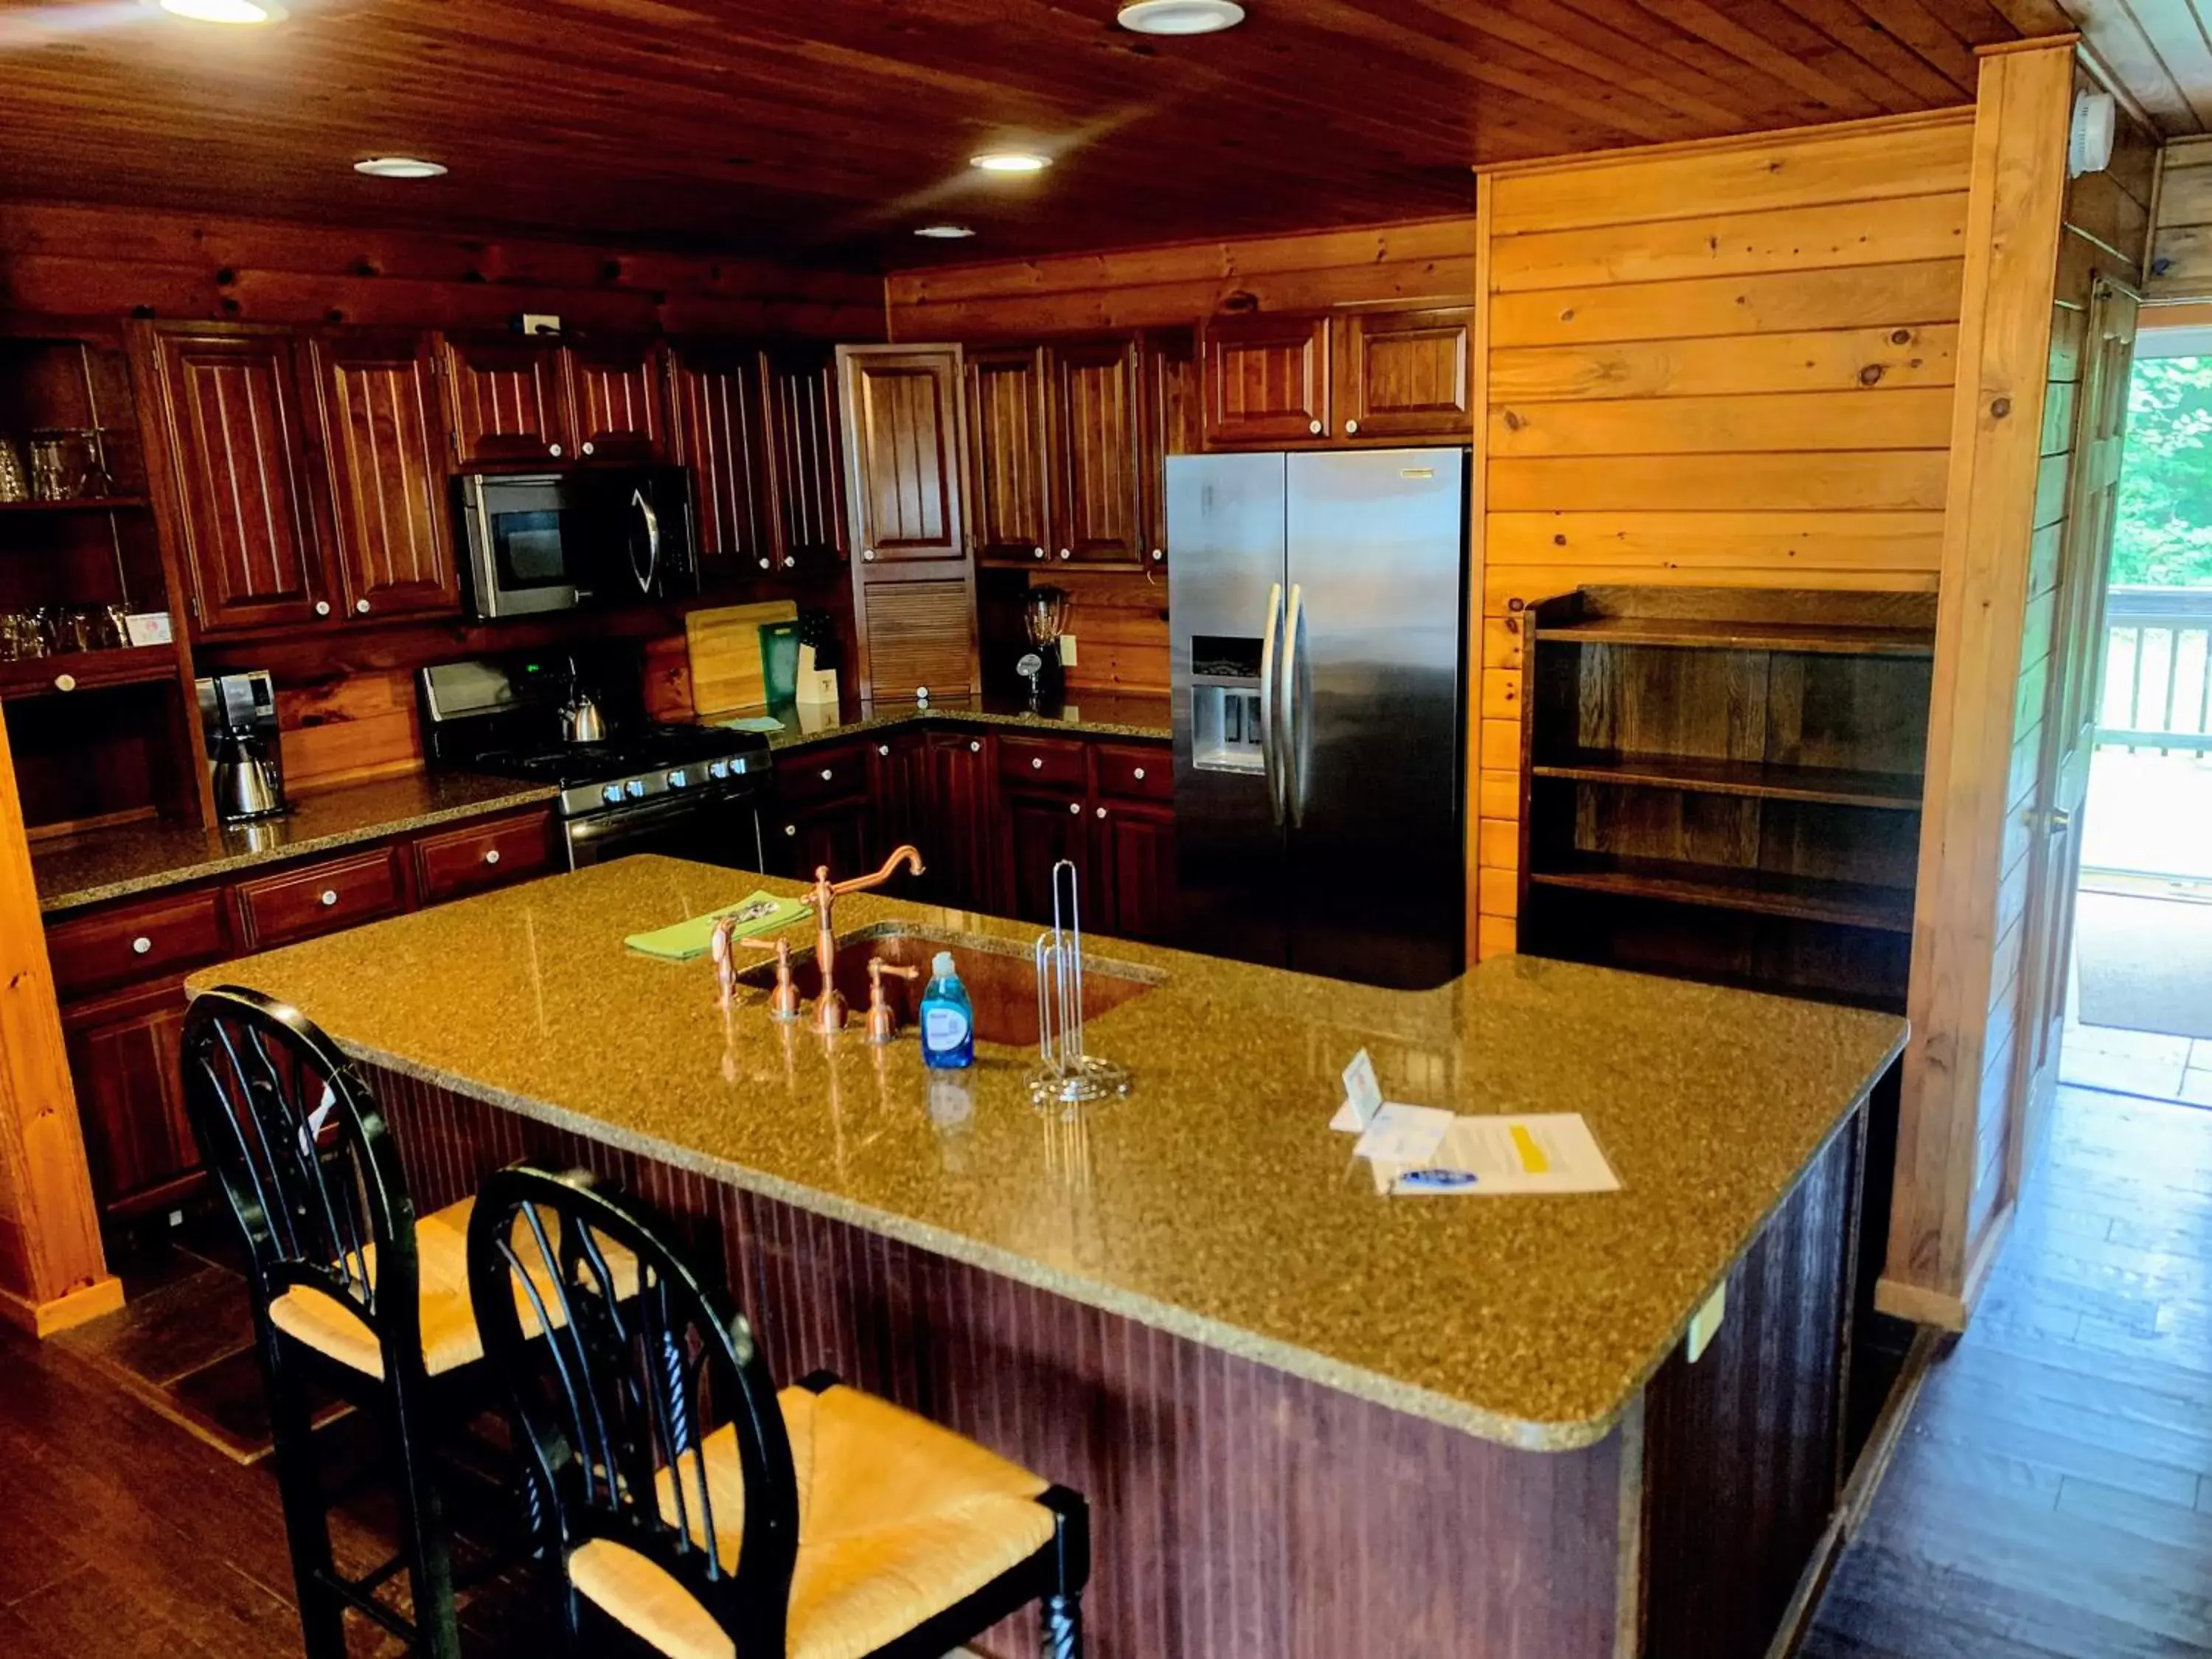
x=351, y=1290
x=708, y=1516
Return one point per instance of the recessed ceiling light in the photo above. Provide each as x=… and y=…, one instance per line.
x=1010, y=161
x=399, y=167
x=1179, y=16
x=224, y=12
x=943, y=233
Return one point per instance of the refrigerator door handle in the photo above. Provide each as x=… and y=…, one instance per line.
x=1268, y=703
x=1294, y=715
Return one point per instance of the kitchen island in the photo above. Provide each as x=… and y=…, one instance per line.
x=1312, y=1420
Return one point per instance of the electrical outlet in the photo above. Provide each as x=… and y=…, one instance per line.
x=539, y=322
x=1068, y=650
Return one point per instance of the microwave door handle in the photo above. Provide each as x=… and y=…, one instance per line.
x=651, y=573
x=1268, y=760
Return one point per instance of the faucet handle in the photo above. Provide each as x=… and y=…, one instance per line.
x=883, y=1022
x=782, y=1002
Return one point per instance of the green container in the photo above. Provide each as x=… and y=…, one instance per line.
x=780, y=662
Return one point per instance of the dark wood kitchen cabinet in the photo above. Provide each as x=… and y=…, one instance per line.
x=1168, y=407
x=720, y=434
x=1267, y=380
x=821, y=814
x=902, y=409
x=621, y=411
x=933, y=790
x=807, y=483
x=377, y=403
x=240, y=461
x=508, y=401
x=1097, y=506
x=1040, y=826
x=1403, y=376
x=126, y=1054
x=1009, y=503
x=1133, y=870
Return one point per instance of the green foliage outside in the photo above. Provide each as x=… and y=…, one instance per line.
x=2164, y=537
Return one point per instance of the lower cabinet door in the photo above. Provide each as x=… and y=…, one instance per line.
x=836, y=833
x=1134, y=854
x=960, y=820
x=126, y=1057
x=1043, y=827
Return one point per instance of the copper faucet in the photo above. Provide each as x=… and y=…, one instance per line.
x=829, y=1006
x=882, y=1018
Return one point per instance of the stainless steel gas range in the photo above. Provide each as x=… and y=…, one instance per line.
x=687, y=790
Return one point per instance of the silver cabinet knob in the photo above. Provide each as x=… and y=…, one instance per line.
x=586, y=447
x=1076, y=807
x=1040, y=552
x=140, y=946
x=1315, y=427
x=765, y=565
x=360, y=607
x=64, y=682
x=322, y=607
x=1351, y=428
x=491, y=855
x=1140, y=774
x=790, y=563
x=976, y=746
x=1159, y=554
x=790, y=829
x=1037, y=764
x=828, y=773
x=1102, y=812
x=883, y=749
x=554, y=450
x=1064, y=553
x=329, y=897
x=869, y=554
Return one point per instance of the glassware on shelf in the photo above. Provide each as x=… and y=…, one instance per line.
x=27, y=635
x=66, y=466
x=15, y=481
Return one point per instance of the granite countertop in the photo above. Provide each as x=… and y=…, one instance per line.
x=1215, y=1202
x=143, y=858
x=1087, y=715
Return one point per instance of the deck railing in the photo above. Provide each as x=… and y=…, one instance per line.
x=2158, y=670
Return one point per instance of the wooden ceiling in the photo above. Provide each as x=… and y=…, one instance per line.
x=826, y=129
x=2157, y=54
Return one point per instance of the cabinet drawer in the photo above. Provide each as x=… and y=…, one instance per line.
x=1041, y=760
x=320, y=899
x=468, y=860
x=822, y=775
x=164, y=935
x=1136, y=772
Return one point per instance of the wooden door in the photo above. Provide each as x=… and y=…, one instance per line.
x=2072, y=689
x=509, y=401
x=238, y=451
x=806, y=495
x=720, y=435
x=902, y=409
x=1266, y=381
x=899, y=795
x=960, y=837
x=620, y=414
x=1169, y=425
x=384, y=434
x=1098, y=503
x=1040, y=827
x=126, y=1058
x=1134, y=864
x=1010, y=504
x=1402, y=375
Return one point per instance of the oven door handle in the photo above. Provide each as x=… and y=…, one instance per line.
x=651, y=573
x=620, y=820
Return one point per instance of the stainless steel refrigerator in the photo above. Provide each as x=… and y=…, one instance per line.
x=1318, y=606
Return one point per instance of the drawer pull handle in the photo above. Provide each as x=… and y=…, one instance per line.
x=1159, y=555
x=554, y=450
x=1065, y=554
x=827, y=774
x=329, y=897
x=884, y=750
x=1040, y=552
x=1351, y=428
x=790, y=829
x=322, y=607
x=1315, y=427
x=587, y=447
x=491, y=855
x=360, y=607
x=140, y=946
x=1076, y=807
x=1037, y=764
x=976, y=746
x=1102, y=812
x=764, y=564
x=868, y=554
x=1140, y=775
x=64, y=682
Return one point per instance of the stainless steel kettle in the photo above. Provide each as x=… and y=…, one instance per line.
x=582, y=719
x=245, y=782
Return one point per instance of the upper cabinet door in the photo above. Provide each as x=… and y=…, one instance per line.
x=1267, y=380
x=1168, y=369
x=806, y=490
x=620, y=412
x=1098, y=506
x=1404, y=374
x=719, y=437
x=902, y=408
x=1006, y=443
x=238, y=453
x=510, y=401
x=384, y=432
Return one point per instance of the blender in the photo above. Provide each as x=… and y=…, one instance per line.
x=1044, y=618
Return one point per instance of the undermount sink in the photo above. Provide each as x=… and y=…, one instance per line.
x=1000, y=977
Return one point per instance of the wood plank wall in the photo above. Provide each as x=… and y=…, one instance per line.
x=2107, y=217
x=1726, y=363
x=2181, y=253
x=1121, y=618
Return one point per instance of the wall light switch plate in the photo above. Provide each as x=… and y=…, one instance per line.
x=1068, y=650
x=1706, y=1323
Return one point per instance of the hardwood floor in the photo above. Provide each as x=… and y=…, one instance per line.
x=2053, y=1498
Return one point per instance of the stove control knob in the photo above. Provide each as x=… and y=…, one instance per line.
x=611, y=793
x=634, y=789
x=680, y=780
x=719, y=769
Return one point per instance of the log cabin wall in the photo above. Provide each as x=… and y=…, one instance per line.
x=1121, y=618
x=1726, y=363
x=2181, y=257
x=347, y=702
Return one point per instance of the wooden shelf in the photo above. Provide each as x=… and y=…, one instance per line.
x=92, y=671
x=1725, y=636
x=1898, y=791
x=89, y=504
x=1759, y=892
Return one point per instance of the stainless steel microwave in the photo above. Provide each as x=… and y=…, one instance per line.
x=546, y=540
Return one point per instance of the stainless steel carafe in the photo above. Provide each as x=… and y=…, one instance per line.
x=245, y=782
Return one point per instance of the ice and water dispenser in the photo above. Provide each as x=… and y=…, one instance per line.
x=1224, y=705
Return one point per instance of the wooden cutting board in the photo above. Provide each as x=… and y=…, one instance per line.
x=727, y=675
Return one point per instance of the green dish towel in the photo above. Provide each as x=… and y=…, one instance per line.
x=684, y=941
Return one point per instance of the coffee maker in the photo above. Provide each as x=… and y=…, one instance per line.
x=1044, y=618
x=238, y=713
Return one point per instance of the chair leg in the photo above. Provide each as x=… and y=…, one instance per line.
x=429, y=1562
x=1060, y=1610
x=307, y=1517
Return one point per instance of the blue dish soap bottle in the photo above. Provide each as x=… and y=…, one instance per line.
x=948, y=1020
